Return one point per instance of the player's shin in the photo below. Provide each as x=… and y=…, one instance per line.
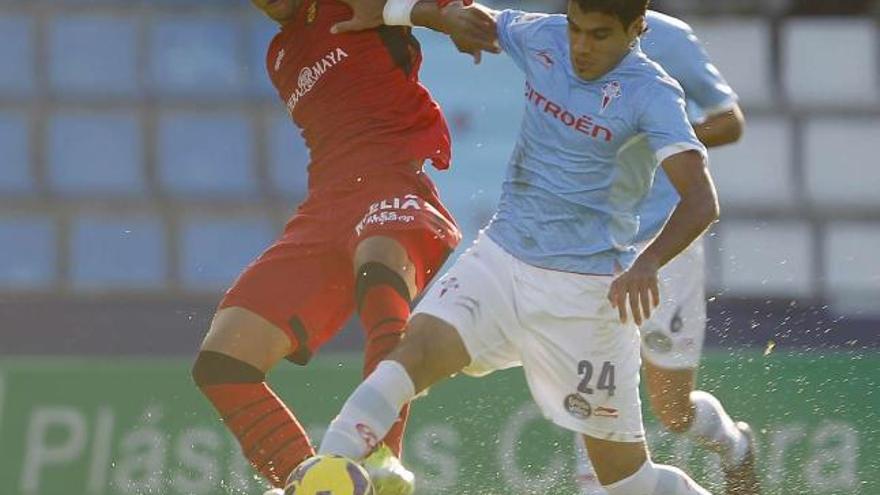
x=369, y=413
x=270, y=436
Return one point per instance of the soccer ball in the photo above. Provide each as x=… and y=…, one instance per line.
x=329, y=475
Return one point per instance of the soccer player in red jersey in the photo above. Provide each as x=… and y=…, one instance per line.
x=371, y=233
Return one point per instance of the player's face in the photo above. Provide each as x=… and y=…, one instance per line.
x=280, y=11
x=598, y=41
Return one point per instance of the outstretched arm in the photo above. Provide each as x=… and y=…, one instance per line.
x=471, y=27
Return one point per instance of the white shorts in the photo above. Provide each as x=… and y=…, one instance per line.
x=581, y=363
x=673, y=337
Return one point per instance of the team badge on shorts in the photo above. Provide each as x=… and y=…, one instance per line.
x=447, y=284
x=658, y=341
x=577, y=406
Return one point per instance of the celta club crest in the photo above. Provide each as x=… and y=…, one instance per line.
x=610, y=91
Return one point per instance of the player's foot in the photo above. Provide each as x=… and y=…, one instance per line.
x=742, y=479
x=388, y=475
x=274, y=491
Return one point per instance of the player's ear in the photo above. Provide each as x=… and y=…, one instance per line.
x=637, y=27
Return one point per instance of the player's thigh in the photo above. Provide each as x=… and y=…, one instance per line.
x=615, y=461
x=475, y=298
x=581, y=364
x=305, y=293
x=673, y=337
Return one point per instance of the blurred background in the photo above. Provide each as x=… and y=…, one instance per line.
x=145, y=160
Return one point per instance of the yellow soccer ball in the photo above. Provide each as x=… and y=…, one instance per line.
x=329, y=475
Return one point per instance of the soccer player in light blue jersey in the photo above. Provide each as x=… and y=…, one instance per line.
x=557, y=283
x=672, y=339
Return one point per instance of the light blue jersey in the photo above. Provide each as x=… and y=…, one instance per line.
x=587, y=151
x=672, y=43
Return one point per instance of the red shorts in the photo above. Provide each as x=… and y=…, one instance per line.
x=304, y=282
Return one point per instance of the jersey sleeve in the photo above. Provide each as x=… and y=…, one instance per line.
x=701, y=80
x=664, y=121
x=514, y=27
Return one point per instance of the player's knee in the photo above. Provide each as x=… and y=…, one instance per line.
x=374, y=274
x=615, y=461
x=383, y=260
x=413, y=352
x=214, y=368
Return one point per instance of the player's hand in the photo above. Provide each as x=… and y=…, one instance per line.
x=637, y=288
x=472, y=29
x=367, y=14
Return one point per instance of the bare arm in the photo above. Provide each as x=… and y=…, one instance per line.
x=722, y=128
x=471, y=28
x=696, y=210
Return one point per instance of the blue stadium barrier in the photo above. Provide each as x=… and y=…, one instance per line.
x=206, y=154
x=117, y=252
x=288, y=158
x=15, y=172
x=16, y=54
x=94, y=55
x=27, y=252
x=196, y=56
x=214, y=250
x=95, y=153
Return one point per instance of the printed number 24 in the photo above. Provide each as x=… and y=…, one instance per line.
x=606, y=378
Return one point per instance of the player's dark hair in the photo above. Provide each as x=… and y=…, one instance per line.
x=625, y=10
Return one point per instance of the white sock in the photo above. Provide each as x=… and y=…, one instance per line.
x=713, y=428
x=656, y=479
x=369, y=412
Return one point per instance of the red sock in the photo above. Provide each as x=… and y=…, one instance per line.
x=270, y=436
x=383, y=313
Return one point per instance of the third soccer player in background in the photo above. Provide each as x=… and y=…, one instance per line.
x=672, y=340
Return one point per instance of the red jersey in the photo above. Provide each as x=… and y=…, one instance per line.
x=356, y=96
